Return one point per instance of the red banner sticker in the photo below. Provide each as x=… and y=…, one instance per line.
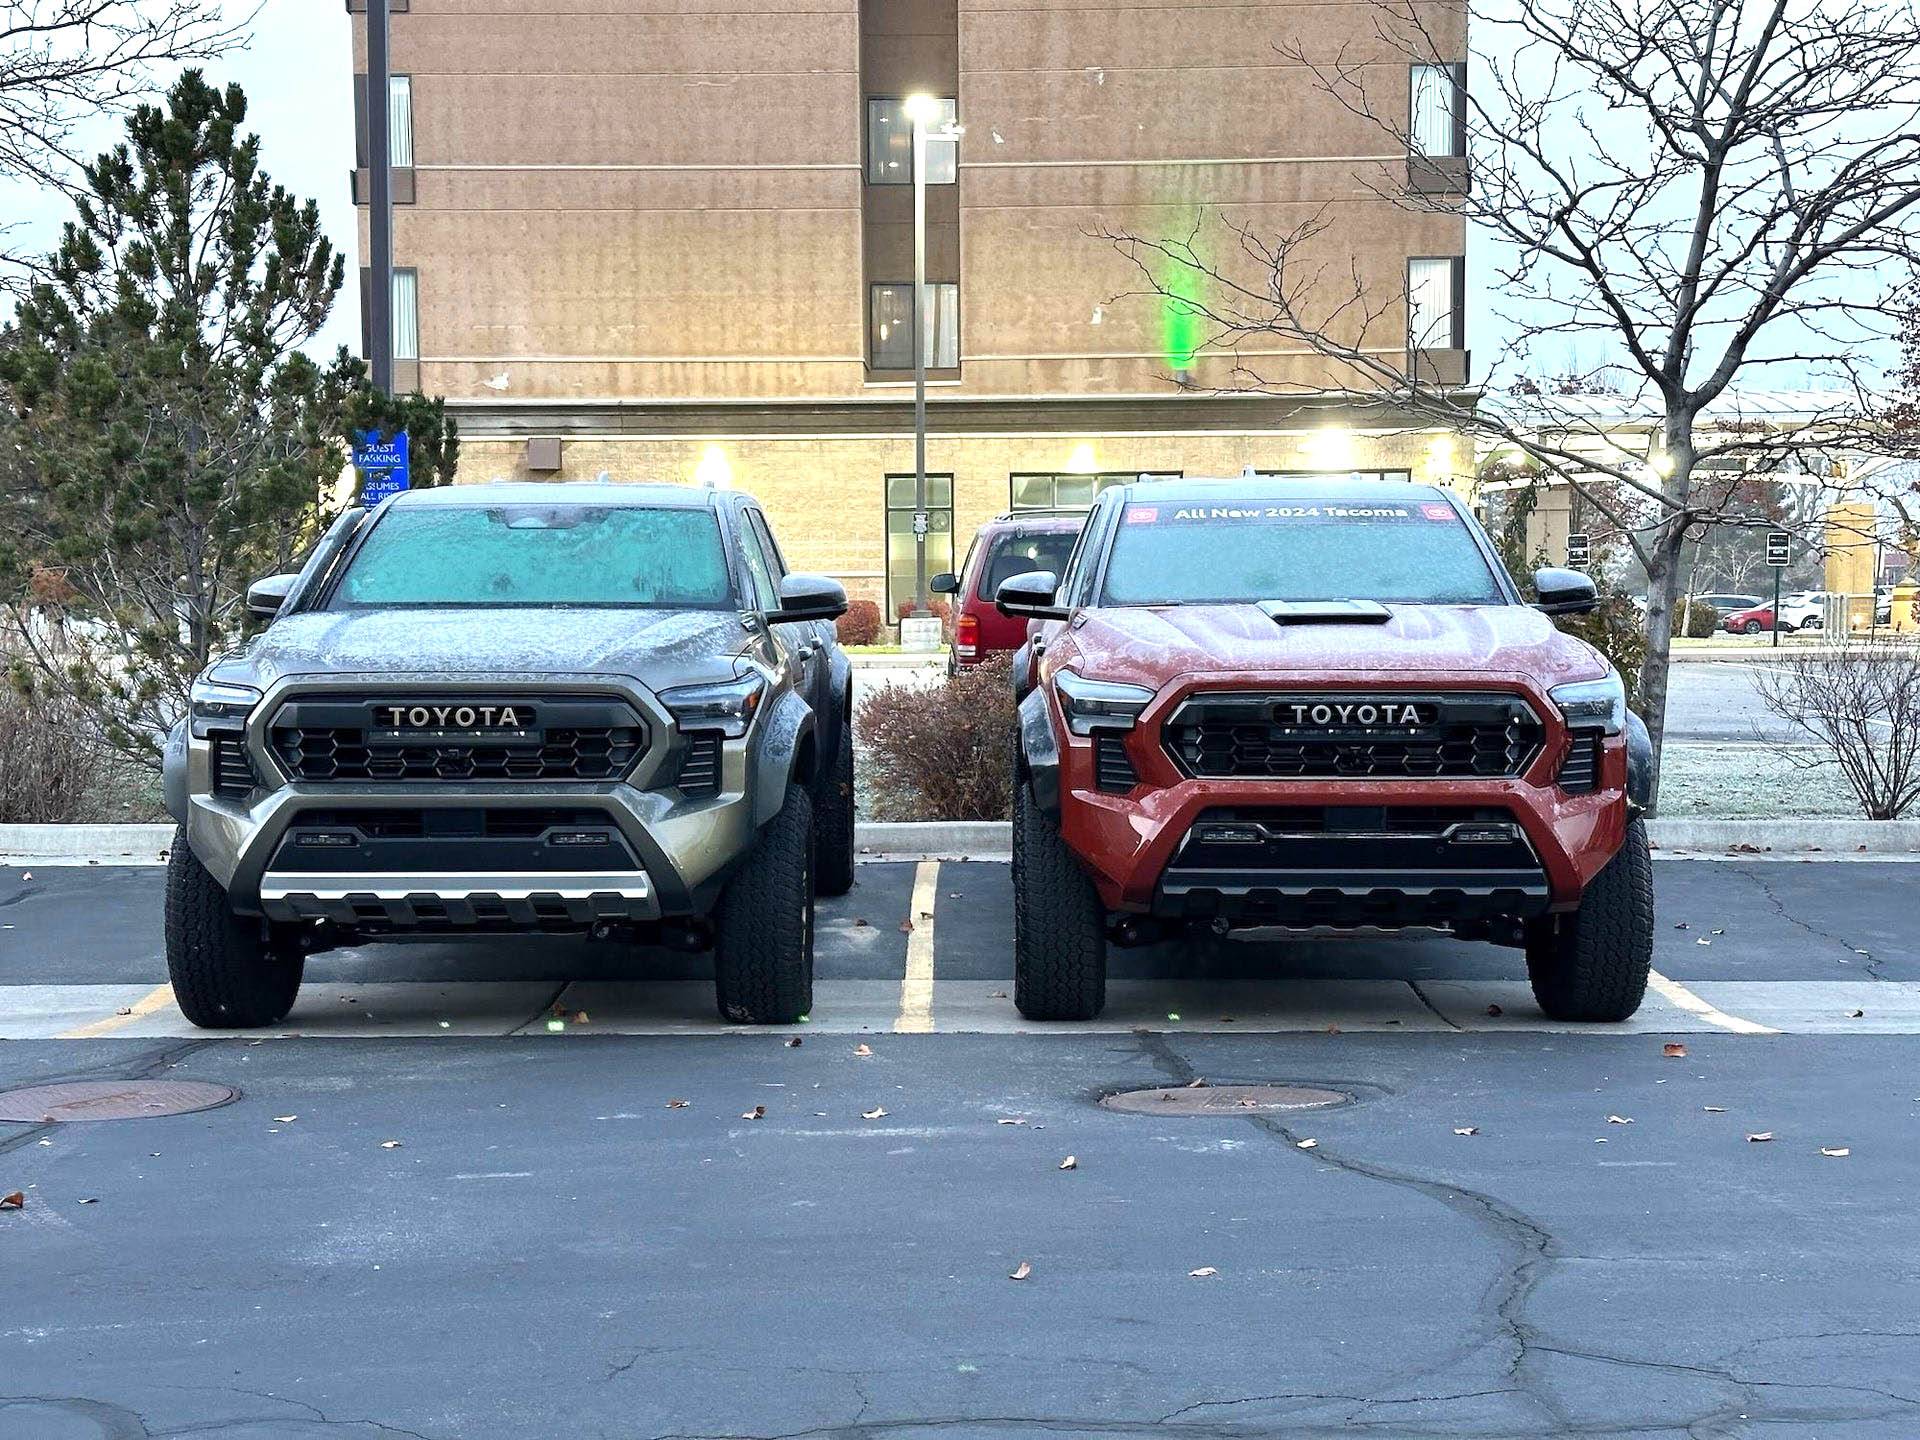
x=1142, y=514
x=1437, y=511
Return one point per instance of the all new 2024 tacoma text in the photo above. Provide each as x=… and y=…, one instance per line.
x=518, y=708
x=1308, y=704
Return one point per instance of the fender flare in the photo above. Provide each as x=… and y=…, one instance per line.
x=173, y=772
x=1039, y=753
x=1639, y=765
x=778, y=754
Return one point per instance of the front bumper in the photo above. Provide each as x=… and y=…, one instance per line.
x=1350, y=870
x=512, y=855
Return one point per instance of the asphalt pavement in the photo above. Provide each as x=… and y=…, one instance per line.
x=427, y=1214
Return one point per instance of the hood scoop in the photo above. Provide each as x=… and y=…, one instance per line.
x=1326, y=612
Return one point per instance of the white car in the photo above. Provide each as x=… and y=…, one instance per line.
x=1803, y=610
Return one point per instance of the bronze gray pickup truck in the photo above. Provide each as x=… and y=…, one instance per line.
x=519, y=708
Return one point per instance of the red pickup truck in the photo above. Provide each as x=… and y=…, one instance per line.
x=1316, y=704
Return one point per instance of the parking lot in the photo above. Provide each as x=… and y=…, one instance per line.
x=458, y=1192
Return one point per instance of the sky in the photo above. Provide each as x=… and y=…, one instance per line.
x=298, y=76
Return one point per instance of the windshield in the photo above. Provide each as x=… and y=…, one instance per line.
x=1018, y=554
x=1416, y=552
x=540, y=555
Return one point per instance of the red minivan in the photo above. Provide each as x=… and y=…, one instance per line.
x=1005, y=546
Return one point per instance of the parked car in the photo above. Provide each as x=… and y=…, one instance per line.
x=1724, y=604
x=1797, y=612
x=518, y=708
x=1279, y=703
x=1005, y=546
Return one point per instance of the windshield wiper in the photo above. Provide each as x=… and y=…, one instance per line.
x=1326, y=612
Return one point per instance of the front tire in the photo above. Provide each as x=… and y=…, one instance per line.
x=763, y=946
x=225, y=973
x=833, y=816
x=1592, y=965
x=1059, y=924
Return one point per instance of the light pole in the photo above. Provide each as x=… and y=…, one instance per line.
x=921, y=108
x=379, y=200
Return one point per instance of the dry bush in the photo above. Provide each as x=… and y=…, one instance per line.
x=1859, y=703
x=861, y=625
x=1700, y=621
x=48, y=760
x=937, y=605
x=942, y=753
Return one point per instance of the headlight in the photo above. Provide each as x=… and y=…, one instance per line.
x=1593, y=704
x=1103, y=703
x=728, y=706
x=219, y=703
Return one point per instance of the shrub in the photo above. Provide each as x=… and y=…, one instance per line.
x=943, y=752
x=861, y=625
x=1699, y=621
x=1859, y=705
x=48, y=760
x=936, y=604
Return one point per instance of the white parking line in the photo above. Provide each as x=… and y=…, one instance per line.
x=916, y=985
x=1677, y=994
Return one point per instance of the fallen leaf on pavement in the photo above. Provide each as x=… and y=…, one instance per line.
x=1196, y=1084
x=1835, y=1152
x=1024, y=1269
x=793, y=1042
x=1674, y=1050
x=1305, y=1144
x=124, y=1010
x=1009, y=1121
x=878, y=1112
x=1760, y=1136
x=1202, y=1272
x=285, y=1119
x=1495, y=1011
x=16, y=1201
x=389, y=1144
x=1070, y=1163
x=1714, y=1109
x=906, y=927
x=996, y=994
x=863, y=1050
x=676, y=1104
x=1333, y=1029
x=1858, y=1015
x=1466, y=1129
x=90, y=1200
x=860, y=922
x=758, y=1112
x=1619, y=1119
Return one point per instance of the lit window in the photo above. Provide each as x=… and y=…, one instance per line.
x=1436, y=288
x=406, y=314
x=1437, y=122
x=1070, y=490
x=890, y=144
x=400, y=120
x=891, y=326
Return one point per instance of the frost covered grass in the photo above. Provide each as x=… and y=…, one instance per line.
x=1751, y=782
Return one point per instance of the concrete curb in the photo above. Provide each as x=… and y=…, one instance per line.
x=985, y=839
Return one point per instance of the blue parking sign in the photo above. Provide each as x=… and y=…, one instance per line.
x=382, y=463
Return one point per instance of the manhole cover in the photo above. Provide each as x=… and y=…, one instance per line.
x=1225, y=1100
x=110, y=1100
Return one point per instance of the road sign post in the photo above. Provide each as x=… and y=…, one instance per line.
x=1779, y=551
x=1578, y=549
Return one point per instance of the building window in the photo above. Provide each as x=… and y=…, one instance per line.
x=890, y=326
x=1436, y=295
x=890, y=144
x=1437, y=122
x=406, y=314
x=400, y=121
x=1062, y=490
x=900, y=538
x=1402, y=476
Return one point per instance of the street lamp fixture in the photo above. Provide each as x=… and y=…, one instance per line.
x=923, y=110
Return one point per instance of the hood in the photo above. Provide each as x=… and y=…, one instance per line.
x=656, y=647
x=1152, y=646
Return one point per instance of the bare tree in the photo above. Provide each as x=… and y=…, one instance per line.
x=64, y=62
x=1682, y=193
x=1860, y=706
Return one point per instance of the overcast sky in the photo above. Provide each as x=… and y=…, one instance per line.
x=298, y=76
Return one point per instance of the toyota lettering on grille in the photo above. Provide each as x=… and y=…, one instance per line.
x=1325, y=714
x=453, y=717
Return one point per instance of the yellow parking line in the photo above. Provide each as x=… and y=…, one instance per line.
x=1674, y=993
x=916, y=986
x=156, y=999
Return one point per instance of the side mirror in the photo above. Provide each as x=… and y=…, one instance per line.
x=945, y=583
x=265, y=597
x=811, y=597
x=1029, y=596
x=1563, y=592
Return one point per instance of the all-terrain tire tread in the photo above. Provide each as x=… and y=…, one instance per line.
x=1594, y=967
x=833, y=817
x=763, y=945
x=225, y=976
x=1059, y=924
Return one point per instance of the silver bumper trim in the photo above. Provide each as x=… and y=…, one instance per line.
x=460, y=898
